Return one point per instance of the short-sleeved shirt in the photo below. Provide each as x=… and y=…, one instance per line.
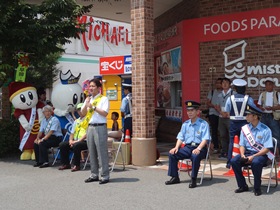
x=228, y=104
x=104, y=105
x=194, y=132
x=54, y=126
x=268, y=100
x=222, y=98
x=262, y=135
x=213, y=97
x=125, y=105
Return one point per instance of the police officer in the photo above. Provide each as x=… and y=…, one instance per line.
x=235, y=106
x=194, y=134
x=258, y=135
x=126, y=108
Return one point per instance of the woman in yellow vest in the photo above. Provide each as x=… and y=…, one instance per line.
x=77, y=143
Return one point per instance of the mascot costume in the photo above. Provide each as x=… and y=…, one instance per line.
x=65, y=96
x=28, y=110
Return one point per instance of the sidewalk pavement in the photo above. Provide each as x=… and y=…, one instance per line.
x=24, y=187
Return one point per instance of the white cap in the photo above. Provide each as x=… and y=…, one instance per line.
x=268, y=79
x=126, y=85
x=239, y=82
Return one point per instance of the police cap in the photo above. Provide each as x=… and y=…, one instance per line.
x=192, y=104
x=253, y=109
x=239, y=82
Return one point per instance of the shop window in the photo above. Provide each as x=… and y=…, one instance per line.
x=176, y=94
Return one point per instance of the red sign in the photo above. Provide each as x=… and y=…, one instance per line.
x=111, y=65
x=232, y=26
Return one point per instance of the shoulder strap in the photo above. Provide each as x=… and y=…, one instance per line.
x=263, y=98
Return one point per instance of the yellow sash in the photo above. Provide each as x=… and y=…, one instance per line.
x=90, y=112
x=79, y=130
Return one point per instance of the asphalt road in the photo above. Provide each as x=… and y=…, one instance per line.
x=24, y=187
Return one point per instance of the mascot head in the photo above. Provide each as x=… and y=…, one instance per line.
x=23, y=95
x=67, y=94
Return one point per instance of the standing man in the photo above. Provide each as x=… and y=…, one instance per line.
x=224, y=117
x=95, y=109
x=235, y=106
x=126, y=108
x=212, y=101
x=255, y=144
x=194, y=134
x=269, y=103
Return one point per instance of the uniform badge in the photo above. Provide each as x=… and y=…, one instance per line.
x=198, y=132
x=259, y=137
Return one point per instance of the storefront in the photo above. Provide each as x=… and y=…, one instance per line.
x=240, y=45
x=103, y=39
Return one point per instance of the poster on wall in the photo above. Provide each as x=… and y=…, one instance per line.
x=168, y=67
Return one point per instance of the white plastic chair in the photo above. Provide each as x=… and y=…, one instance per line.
x=201, y=170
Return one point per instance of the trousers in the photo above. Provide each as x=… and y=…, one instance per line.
x=41, y=150
x=185, y=153
x=256, y=165
x=98, y=150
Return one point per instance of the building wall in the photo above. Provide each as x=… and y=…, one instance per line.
x=259, y=50
x=187, y=9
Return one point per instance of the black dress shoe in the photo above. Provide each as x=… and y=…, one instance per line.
x=193, y=184
x=173, y=180
x=257, y=192
x=37, y=164
x=242, y=189
x=63, y=167
x=103, y=181
x=44, y=165
x=91, y=180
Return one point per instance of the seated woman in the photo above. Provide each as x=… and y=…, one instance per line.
x=77, y=143
x=50, y=130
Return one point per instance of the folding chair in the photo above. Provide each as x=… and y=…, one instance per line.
x=58, y=150
x=116, y=153
x=200, y=171
x=86, y=162
x=273, y=166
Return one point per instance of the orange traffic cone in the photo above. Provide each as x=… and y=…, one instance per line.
x=235, y=151
x=127, y=136
x=278, y=174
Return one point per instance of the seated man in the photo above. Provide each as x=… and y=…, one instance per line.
x=77, y=143
x=115, y=133
x=194, y=134
x=51, y=130
x=255, y=143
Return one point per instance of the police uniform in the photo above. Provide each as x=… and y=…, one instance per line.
x=262, y=136
x=191, y=135
x=235, y=106
x=126, y=108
